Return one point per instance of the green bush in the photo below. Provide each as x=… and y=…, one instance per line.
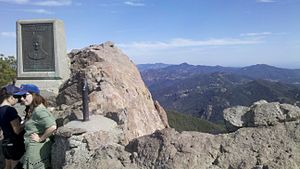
x=7, y=69
x=181, y=122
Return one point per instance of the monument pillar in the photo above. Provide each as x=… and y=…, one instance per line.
x=41, y=54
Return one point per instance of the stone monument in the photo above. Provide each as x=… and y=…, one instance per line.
x=41, y=53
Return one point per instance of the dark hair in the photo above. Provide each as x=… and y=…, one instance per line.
x=3, y=94
x=36, y=101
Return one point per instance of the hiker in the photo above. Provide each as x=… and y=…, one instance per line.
x=10, y=122
x=39, y=126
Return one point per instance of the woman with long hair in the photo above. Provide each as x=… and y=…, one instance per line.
x=39, y=125
x=10, y=122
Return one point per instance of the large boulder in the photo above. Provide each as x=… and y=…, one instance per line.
x=116, y=91
x=236, y=117
x=261, y=113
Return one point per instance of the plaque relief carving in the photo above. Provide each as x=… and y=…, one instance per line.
x=38, y=47
x=38, y=52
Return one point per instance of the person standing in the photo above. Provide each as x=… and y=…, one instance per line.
x=40, y=124
x=10, y=122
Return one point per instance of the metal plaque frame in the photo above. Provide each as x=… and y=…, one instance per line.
x=40, y=46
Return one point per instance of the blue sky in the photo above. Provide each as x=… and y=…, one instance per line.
x=199, y=32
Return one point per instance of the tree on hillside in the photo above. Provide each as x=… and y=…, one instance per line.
x=8, y=67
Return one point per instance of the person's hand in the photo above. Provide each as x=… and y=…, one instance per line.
x=35, y=137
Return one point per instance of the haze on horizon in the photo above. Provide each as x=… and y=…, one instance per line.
x=232, y=33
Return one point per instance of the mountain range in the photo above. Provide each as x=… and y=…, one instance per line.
x=205, y=91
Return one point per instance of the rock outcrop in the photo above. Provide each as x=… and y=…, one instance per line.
x=117, y=91
x=270, y=146
x=128, y=130
x=248, y=148
x=261, y=113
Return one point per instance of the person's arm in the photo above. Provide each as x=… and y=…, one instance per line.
x=17, y=126
x=45, y=120
x=48, y=132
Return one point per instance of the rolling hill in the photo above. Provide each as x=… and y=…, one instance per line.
x=205, y=91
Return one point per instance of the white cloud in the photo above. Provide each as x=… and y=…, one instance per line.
x=53, y=3
x=131, y=3
x=39, y=2
x=256, y=34
x=15, y=1
x=265, y=1
x=8, y=34
x=39, y=11
x=180, y=42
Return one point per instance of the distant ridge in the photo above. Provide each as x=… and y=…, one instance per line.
x=258, y=71
x=143, y=67
x=205, y=91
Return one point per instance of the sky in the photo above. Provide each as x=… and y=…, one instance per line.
x=200, y=32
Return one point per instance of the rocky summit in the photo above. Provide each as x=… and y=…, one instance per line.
x=128, y=130
x=116, y=91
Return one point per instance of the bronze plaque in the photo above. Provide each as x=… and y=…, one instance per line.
x=38, y=47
